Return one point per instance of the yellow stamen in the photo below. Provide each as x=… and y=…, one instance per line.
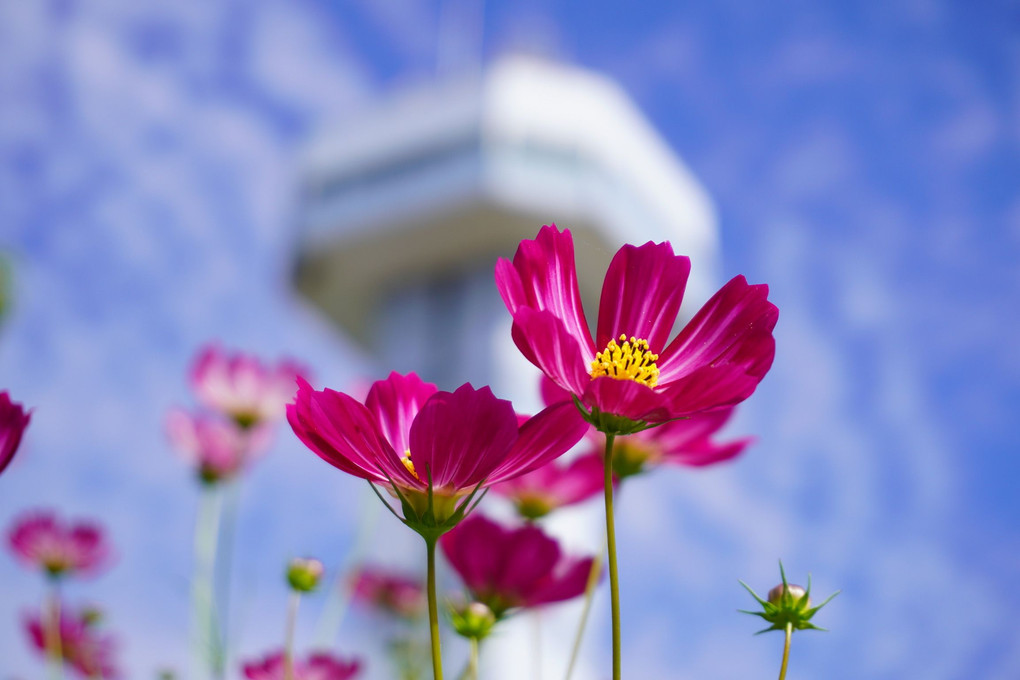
x=629, y=360
x=406, y=460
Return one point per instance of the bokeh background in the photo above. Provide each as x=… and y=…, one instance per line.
x=863, y=158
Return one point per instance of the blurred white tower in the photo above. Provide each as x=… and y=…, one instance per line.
x=407, y=206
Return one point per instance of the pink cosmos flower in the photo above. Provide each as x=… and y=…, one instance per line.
x=388, y=591
x=242, y=387
x=87, y=652
x=13, y=421
x=317, y=666
x=431, y=447
x=41, y=540
x=509, y=568
x=628, y=371
x=554, y=485
x=219, y=449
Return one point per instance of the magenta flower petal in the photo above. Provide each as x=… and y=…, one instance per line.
x=553, y=486
x=641, y=294
x=461, y=437
x=217, y=447
x=733, y=327
x=570, y=580
x=391, y=592
x=13, y=421
x=627, y=398
x=545, y=342
x=508, y=568
x=543, y=276
x=344, y=433
x=317, y=666
x=395, y=402
x=543, y=437
x=89, y=653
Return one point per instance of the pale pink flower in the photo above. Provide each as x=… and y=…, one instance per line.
x=219, y=449
x=316, y=666
x=242, y=387
x=40, y=539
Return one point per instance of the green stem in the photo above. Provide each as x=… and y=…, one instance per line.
x=207, y=531
x=288, y=641
x=536, y=629
x=437, y=656
x=54, y=643
x=786, y=651
x=473, y=660
x=614, y=581
x=589, y=595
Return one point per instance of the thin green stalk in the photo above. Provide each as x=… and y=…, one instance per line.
x=207, y=531
x=614, y=581
x=786, y=651
x=473, y=660
x=589, y=595
x=224, y=565
x=54, y=643
x=437, y=656
x=288, y=640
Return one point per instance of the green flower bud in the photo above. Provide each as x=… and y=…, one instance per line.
x=303, y=574
x=473, y=621
x=787, y=605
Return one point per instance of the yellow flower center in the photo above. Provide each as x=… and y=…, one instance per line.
x=628, y=360
x=406, y=460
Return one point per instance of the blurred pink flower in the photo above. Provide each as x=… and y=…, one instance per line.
x=509, y=568
x=685, y=442
x=40, y=539
x=434, y=447
x=388, y=591
x=81, y=646
x=13, y=421
x=628, y=375
x=554, y=485
x=317, y=666
x=219, y=449
x=242, y=387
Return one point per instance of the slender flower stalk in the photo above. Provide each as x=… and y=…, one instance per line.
x=293, y=604
x=589, y=594
x=473, y=659
x=786, y=651
x=437, y=656
x=208, y=643
x=614, y=579
x=54, y=644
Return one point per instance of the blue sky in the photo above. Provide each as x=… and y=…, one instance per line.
x=863, y=158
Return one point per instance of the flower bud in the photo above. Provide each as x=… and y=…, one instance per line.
x=303, y=574
x=794, y=592
x=787, y=606
x=473, y=621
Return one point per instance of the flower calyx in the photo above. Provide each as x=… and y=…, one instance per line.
x=473, y=621
x=787, y=605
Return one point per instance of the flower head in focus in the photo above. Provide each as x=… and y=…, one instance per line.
x=40, y=539
x=316, y=666
x=242, y=387
x=13, y=421
x=218, y=448
x=434, y=450
x=396, y=594
x=627, y=377
x=507, y=569
x=787, y=605
x=554, y=485
x=83, y=648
